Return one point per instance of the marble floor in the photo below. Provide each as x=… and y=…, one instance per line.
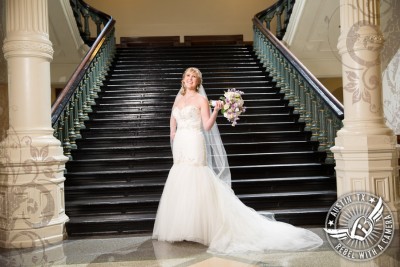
x=141, y=250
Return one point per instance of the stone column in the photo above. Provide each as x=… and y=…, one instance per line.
x=365, y=148
x=31, y=159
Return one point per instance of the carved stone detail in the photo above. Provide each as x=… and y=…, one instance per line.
x=26, y=48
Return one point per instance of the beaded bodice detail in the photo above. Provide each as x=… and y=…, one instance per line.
x=188, y=118
x=189, y=146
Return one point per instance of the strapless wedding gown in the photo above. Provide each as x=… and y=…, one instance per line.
x=197, y=206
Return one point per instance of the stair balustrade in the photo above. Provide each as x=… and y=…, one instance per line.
x=71, y=108
x=84, y=15
x=321, y=112
x=279, y=13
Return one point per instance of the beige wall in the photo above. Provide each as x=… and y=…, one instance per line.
x=335, y=86
x=182, y=17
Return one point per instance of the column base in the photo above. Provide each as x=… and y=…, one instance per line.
x=368, y=164
x=35, y=238
x=31, y=191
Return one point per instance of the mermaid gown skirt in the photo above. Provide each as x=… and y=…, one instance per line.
x=197, y=206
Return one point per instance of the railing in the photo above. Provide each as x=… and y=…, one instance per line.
x=321, y=112
x=83, y=13
x=71, y=108
x=279, y=13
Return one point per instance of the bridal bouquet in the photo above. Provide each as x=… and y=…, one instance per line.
x=233, y=105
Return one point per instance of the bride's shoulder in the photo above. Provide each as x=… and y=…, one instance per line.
x=202, y=100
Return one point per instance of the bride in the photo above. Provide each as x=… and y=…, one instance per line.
x=197, y=203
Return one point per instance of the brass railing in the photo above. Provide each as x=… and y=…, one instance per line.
x=71, y=108
x=321, y=112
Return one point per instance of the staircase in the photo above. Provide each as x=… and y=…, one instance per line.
x=117, y=174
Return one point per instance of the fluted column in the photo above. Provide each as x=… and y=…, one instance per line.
x=365, y=148
x=31, y=158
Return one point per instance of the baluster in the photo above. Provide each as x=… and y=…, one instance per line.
x=314, y=117
x=268, y=53
x=285, y=15
x=97, y=20
x=60, y=130
x=71, y=125
x=285, y=76
x=94, y=78
x=81, y=106
x=85, y=107
x=322, y=138
x=302, y=109
x=263, y=53
x=257, y=48
x=86, y=33
x=274, y=64
x=89, y=101
x=330, y=141
x=279, y=77
x=66, y=143
x=90, y=85
x=289, y=5
x=77, y=123
x=255, y=39
x=290, y=90
x=101, y=71
x=308, y=117
x=268, y=20
x=286, y=83
x=279, y=23
x=296, y=96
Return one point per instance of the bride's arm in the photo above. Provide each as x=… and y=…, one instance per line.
x=172, y=127
x=207, y=119
x=172, y=121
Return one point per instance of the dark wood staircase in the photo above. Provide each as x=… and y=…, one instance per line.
x=117, y=174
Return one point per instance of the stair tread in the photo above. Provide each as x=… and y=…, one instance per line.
x=114, y=200
x=167, y=135
x=295, y=210
x=112, y=218
x=283, y=179
x=169, y=146
x=156, y=198
x=167, y=169
x=287, y=194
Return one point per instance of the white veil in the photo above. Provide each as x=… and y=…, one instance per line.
x=216, y=154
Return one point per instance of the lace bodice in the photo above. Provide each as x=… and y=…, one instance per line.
x=188, y=117
x=189, y=146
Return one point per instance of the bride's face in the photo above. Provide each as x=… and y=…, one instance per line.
x=191, y=80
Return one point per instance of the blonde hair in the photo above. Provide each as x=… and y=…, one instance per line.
x=199, y=78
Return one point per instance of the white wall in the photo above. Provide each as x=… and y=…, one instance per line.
x=390, y=25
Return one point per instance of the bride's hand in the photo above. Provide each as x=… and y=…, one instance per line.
x=218, y=105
